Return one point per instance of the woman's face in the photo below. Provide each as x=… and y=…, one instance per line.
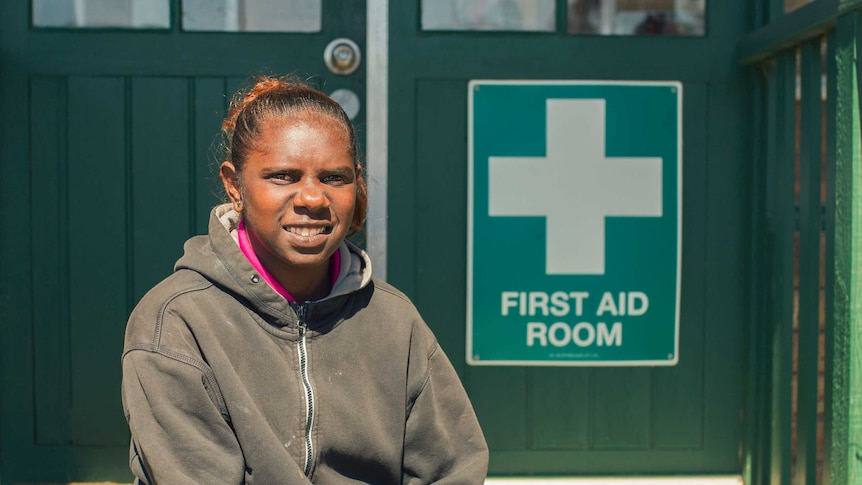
x=298, y=192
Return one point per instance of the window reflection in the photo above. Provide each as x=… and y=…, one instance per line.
x=513, y=15
x=136, y=14
x=252, y=15
x=636, y=17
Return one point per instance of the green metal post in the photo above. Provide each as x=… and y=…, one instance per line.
x=757, y=391
x=810, y=145
x=780, y=202
x=846, y=408
x=829, y=280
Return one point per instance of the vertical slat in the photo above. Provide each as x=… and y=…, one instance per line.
x=760, y=13
x=775, y=9
x=562, y=16
x=499, y=395
x=810, y=145
x=677, y=394
x=160, y=178
x=829, y=253
x=442, y=261
x=209, y=110
x=851, y=260
x=97, y=254
x=677, y=400
x=401, y=203
x=558, y=412
x=781, y=159
x=16, y=279
x=50, y=269
x=847, y=331
x=620, y=408
x=726, y=295
x=756, y=466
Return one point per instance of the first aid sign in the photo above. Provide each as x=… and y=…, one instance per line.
x=574, y=223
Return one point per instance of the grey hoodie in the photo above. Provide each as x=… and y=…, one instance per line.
x=225, y=382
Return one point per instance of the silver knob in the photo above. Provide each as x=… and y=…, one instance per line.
x=342, y=56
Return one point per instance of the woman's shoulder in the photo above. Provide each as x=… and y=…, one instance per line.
x=390, y=299
x=393, y=308
x=390, y=291
x=176, y=285
x=166, y=298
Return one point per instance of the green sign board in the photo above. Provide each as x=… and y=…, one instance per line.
x=574, y=237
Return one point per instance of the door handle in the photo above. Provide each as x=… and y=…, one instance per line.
x=342, y=56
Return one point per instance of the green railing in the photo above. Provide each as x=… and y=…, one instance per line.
x=807, y=215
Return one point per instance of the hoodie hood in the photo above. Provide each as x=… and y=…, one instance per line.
x=217, y=258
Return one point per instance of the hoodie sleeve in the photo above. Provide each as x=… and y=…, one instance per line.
x=443, y=442
x=179, y=431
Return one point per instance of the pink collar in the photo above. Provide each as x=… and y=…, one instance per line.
x=247, y=249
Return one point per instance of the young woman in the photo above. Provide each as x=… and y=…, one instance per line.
x=272, y=355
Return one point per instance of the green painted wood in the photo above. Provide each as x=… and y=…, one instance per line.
x=209, y=111
x=49, y=231
x=612, y=463
x=780, y=203
x=850, y=257
x=676, y=402
x=704, y=392
x=57, y=464
x=846, y=398
x=16, y=297
x=561, y=14
x=677, y=393
x=401, y=190
x=726, y=292
x=475, y=57
x=810, y=154
x=174, y=84
x=98, y=285
x=775, y=9
x=756, y=443
x=146, y=52
x=620, y=411
x=159, y=125
x=499, y=398
x=441, y=199
x=845, y=6
x=829, y=250
x=807, y=22
x=559, y=415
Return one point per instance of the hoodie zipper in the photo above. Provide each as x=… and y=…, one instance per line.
x=306, y=385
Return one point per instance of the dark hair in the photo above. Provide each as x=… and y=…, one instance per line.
x=280, y=98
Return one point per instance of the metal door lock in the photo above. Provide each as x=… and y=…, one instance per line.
x=342, y=56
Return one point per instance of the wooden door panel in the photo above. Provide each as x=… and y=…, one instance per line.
x=118, y=170
x=97, y=247
x=561, y=420
x=162, y=164
x=113, y=199
x=49, y=236
x=209, y=105
x=621, y=410
x=559, y=414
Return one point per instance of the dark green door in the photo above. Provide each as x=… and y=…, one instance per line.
x=575, y=420
x=108, y=120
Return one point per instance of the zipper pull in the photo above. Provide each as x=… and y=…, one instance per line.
x=300, y=315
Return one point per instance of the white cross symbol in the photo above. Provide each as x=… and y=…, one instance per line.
x=575, y=186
